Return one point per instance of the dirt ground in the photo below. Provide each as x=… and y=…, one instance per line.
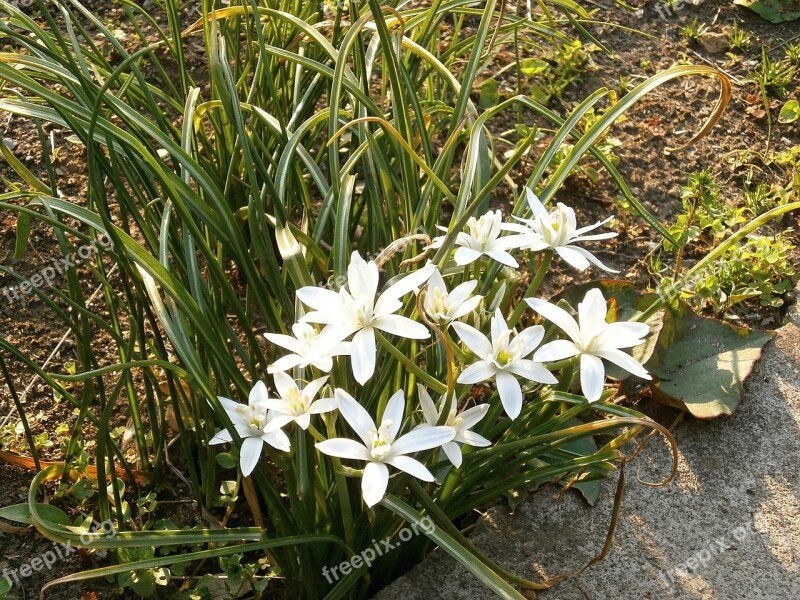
x=667, y=117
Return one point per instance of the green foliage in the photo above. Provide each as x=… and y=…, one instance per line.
x=704, y=212
x=318, y=130
x=758, y=268
x=740, y=39
x=774, y=11
x=774, y=76
x=694, y=30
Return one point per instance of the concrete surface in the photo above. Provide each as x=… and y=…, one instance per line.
x=727, y=528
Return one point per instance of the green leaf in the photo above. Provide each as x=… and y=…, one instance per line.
x=533, y=66
x=226, y=460
x=790, y=112
x=774, y=11
x=702, y=363
x=489, y=94
x=23, y=232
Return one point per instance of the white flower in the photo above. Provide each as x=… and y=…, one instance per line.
x=308, y=348
x=558, y=230
x=483, y=238
x=442, y=306
x=356, y=310
x=593, y=340
x=461, y=422
x=299, y=404
x=503, y=359
x=256, y=425
x=379, y=447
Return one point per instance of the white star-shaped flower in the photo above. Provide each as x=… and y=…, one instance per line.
x=483, y=237
x=461, y=422
x=442, y=306
x=380, y=446
x=356, y=310
x=299, y=404
x=593, y=340
x=559, y=230
x=256, y=425
x=308, y=347
x=503, y=358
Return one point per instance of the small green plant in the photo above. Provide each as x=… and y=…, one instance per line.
x=793, y=53
x=694, y=30
x=740, y=39
x=704, y=213
x=774, y=76
x=758, y=269
x=561, y=67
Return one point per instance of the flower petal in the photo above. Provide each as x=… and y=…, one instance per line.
x=283, y=384
x=557, y=315
x=312, y=389
x=356, y=415
x=407, y=284
x=278, y=440
x=363, y=355
x=453, y=453
x=222, y=437
x=592, y=258
x=401, y=326
x=344, y=448
x=583, y=230
x=394, y=413
x=362, y=277
x=464, y=256
x=498, y=327
x=249, y=454
x=422, y=438
x=556, y=350
x=526, y=340
x=318, y=298
x=482, y=370
x=473, y=439
x=625, y=361
x=472, y=416
x=322, y=405
x=510, y=393
x=374, y=483
x=593, y=375
x=536, y=205
x=532, y=371
x=623, y=334
x=592, y=312
x=410, y=466
x=428, y=407
x=503, y=257
x=258, y=394
x=474, y=339
x=285, y=341
x=574, y=258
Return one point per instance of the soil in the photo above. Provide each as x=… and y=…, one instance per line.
x=668, y=116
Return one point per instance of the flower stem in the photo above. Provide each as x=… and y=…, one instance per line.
x=423, y=376
x=544, y=261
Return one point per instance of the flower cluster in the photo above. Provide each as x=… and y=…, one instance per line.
x=352, y=321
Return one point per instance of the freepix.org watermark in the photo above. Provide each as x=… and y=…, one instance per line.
x=378, y=548
x=46, y=560
x=46, y=277
x=706, y=555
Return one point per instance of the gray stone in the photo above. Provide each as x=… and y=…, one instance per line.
x=727, y=528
